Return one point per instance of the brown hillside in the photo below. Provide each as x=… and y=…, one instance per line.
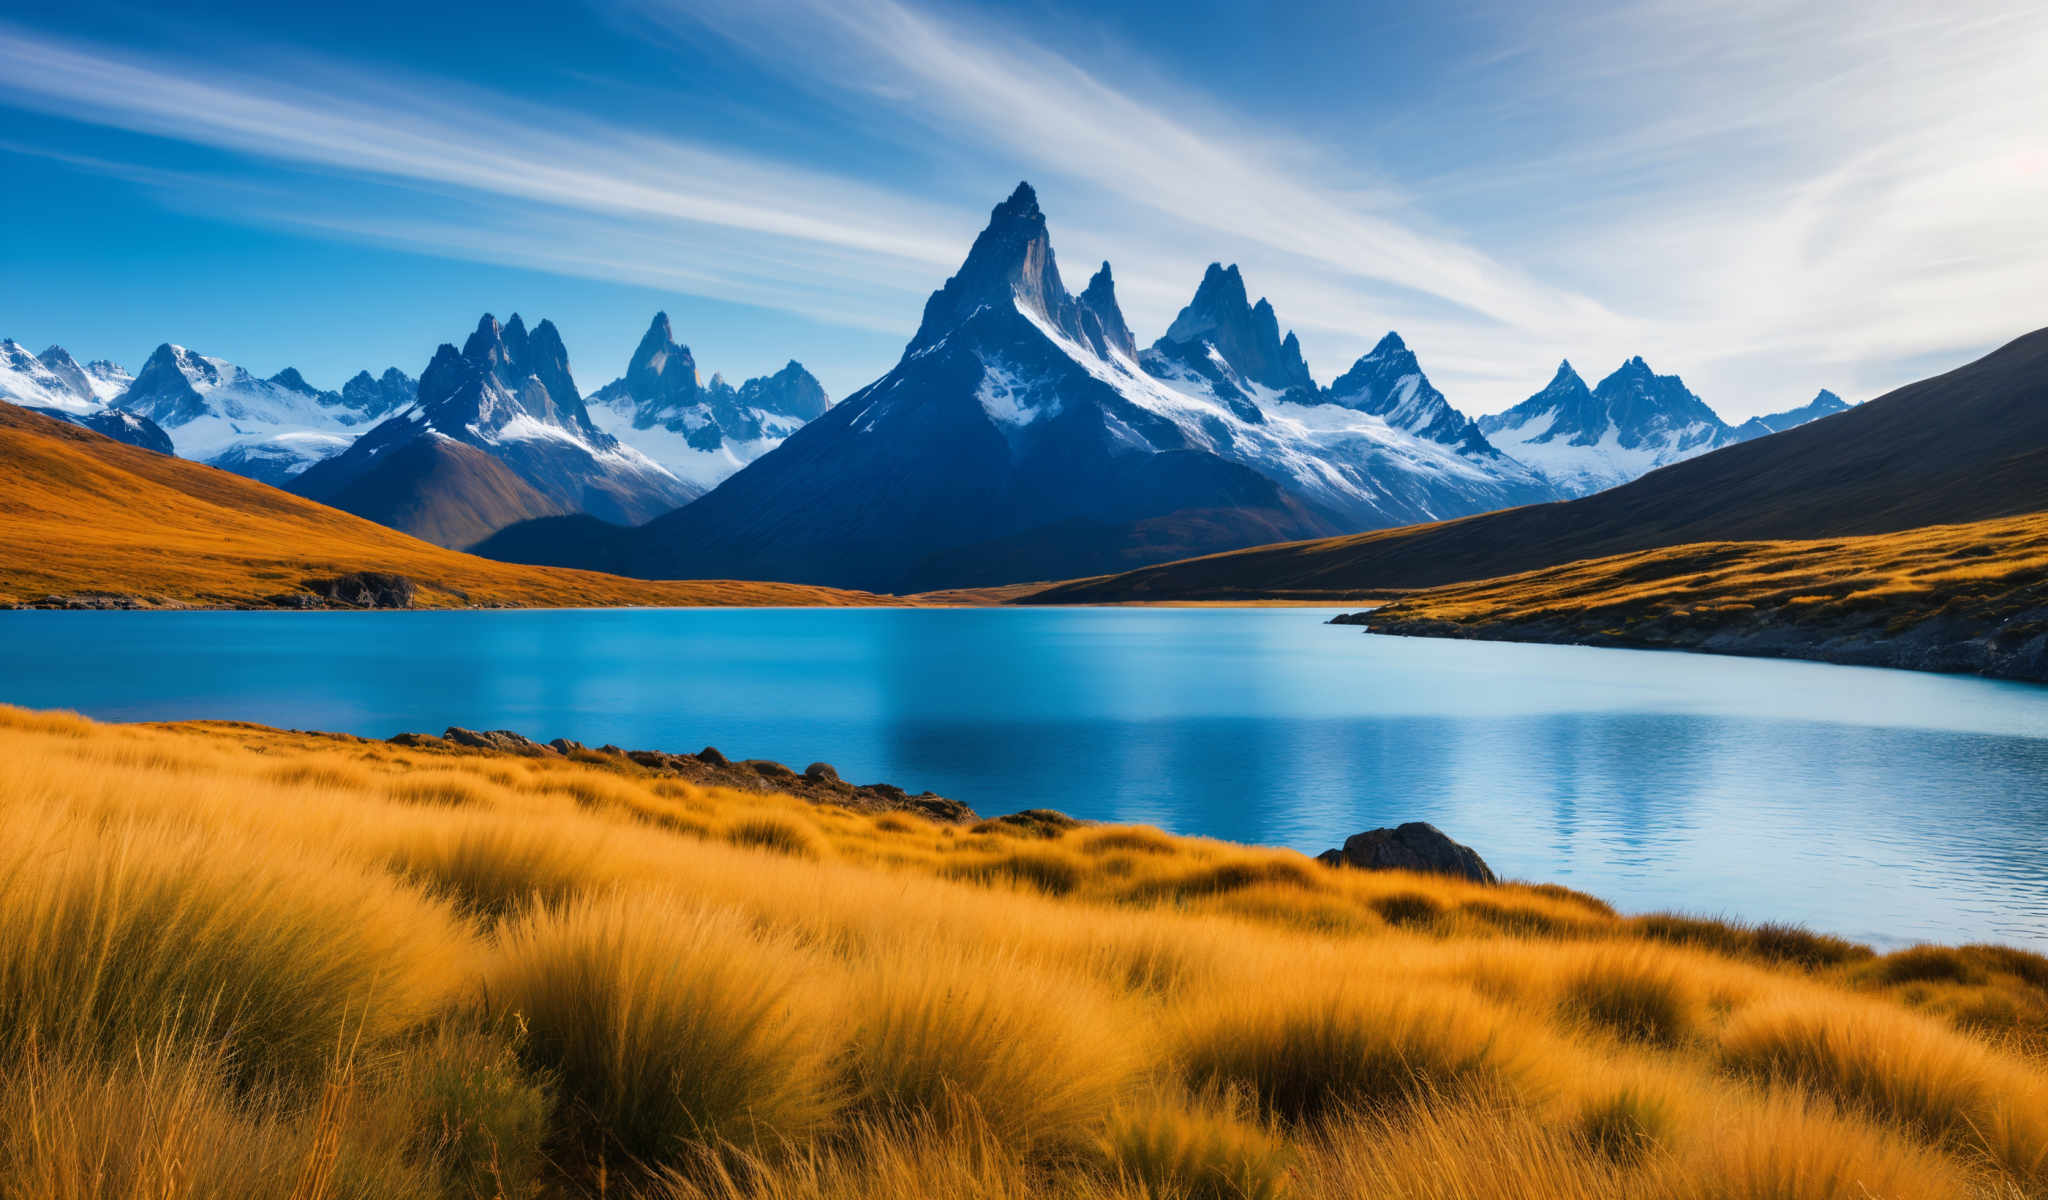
x=81, y=513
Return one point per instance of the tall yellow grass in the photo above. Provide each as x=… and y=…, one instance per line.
x=240, y=962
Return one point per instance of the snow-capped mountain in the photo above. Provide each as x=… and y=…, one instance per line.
x=53, y=379
x=498, y=433
x=1380, y=446
x=701, y=432
x=1021, y=436
x=218, y=413
x=1224, y=345
x=1826, y=404
x=377, y=397
x=1587, y=440
x=53, y=384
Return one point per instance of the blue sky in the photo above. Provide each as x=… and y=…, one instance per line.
x=1767, y=198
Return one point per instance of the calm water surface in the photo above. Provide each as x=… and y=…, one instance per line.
x=1886, y=805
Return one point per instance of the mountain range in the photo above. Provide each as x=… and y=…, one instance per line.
x=1024, y=434
x=1585, y=440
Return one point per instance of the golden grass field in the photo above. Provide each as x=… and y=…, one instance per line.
x=1976, y=575
x=239, y=962
x=82, y=513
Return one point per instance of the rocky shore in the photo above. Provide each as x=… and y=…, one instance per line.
x=819, y=783
x=2014, y=647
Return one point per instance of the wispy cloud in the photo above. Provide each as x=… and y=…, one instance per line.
x=1767, y=196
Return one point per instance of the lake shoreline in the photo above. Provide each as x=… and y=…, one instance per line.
x=1930, y=647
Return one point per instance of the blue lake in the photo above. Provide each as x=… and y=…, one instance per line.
x=1884, y=805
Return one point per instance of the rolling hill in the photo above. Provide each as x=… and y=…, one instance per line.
x=81, y=514
x=1969, y=445
x=1968, y=598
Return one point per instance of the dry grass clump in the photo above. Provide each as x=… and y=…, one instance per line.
x=1787, y=1145
x=667, y=1023
x=1197, y=1150
x=109, y=935
x=1306, y=1048
x=778, y=833
x=451, y=788
x=1037, y=1059
x=1768, y=942
x=1635, y=996
x=1043, y=868
x=239, y=962
x=1901, y=1068
x=490, y=867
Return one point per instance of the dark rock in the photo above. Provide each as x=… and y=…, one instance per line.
x=819, y=772
x=497, y=739
x=1415, y=846
x=565, y=746
x=710, y=756
x=366, y=589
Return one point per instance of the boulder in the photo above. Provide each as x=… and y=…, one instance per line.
x=1415, y=846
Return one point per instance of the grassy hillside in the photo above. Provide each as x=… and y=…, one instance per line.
x=81, y=513
x=1966, y=446
x=1949, y=597
x=237, y=963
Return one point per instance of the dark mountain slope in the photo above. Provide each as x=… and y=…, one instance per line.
x=1968, y=445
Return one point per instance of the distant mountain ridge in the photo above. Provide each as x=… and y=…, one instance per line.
x=498, y=433
x=1585, y=440
x=701, y=432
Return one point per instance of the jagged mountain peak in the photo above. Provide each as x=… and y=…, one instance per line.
x=1109, y=333
x=1388, y=382
x=290, y=379
x=1011, y=262
x=1244, y=335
